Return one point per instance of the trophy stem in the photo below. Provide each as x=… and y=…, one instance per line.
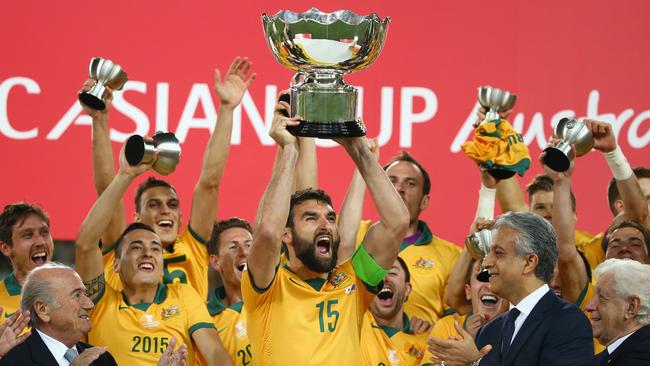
x=557, y=158
x=492, y=115
x=93, y=97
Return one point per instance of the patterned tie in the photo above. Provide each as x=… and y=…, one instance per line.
x=508, y=331
x=601, y=358
x=71, y=354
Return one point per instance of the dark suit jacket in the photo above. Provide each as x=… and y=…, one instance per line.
x=34, y=352
x=555, y=333
x=634, y=351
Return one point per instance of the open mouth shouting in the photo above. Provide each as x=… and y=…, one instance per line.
x=324, y=244
x=165, y=224
x=39, y=257
x=241, y=267
x=386, y=297
x=489, y=301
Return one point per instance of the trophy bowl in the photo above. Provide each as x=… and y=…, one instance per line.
x=106, y=73
x=478, y=243
x=138, y=150
x=495, y=100
x=321, y=48
x=571, y=132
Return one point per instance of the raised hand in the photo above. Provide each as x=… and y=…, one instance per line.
x=603, y=134
x=231, y=89
x=280, y=122
x=135, y=170
x=10, y=331
x=555, y=175
x=173, y=358
x=108, y=100
x=419, y=326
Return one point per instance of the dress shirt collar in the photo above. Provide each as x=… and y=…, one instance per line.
x=526, y=305
x=612, y=347
x=57, y=348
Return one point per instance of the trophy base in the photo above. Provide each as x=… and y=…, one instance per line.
x=91, y=100
x=328, y=129
x=556, y=159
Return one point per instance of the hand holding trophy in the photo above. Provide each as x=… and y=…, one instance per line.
x=576, y=140
x=107, y=74
x=322, y=47
x=496, y=146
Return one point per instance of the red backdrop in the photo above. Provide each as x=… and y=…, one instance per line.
x=582, y=58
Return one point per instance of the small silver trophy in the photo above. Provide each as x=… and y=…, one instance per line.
x=495, y=100
x=322, y=47
x=106, y=73
x=571, y=132
x=478, y=243
x=138, y=150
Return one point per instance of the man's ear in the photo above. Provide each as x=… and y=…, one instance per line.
x=136, y=217
x=633, y=308
x=424, y=202
x=532, y=260
x=287, y=237
x=5, y=249
x=42, y=311
x=468, y=292
x=215, y=262
x=618, y=206
x=116, y=264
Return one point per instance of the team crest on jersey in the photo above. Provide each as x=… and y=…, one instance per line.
x=149, y=322
x=415, y=350
x=393, y=357
x=240, y=329
x=350, y=289
x=338, y=279
x=424, y=263
x=170, y=312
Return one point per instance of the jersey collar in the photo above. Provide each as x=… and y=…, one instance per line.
x=161, y=295
x=425, y=237
x=12, y=285
x=390, y=331
x=215, y=301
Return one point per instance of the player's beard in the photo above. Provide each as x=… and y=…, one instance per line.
x=306, y=252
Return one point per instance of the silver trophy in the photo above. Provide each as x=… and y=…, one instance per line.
x=138, y=150
x=322, y=47
x=478, y=243
x=495, y=100
x=106, y=73
x=571, y=132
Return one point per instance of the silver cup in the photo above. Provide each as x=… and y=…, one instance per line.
x=571, y=132
x=478, y=243
x=495, y=100
x=106, y=73
x=138, y=150
x=322, y=47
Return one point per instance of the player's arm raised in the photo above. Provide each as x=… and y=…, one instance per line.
x=384, y=238
x=635, y=204
x=88, y=257
x=264, y=254
x=230, y=91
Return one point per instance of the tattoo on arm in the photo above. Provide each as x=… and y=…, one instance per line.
x=95, y=287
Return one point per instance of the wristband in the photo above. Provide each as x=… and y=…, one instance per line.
x=485, y=207
x=618, y=164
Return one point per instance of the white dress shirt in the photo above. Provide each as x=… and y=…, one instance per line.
x=526, y=306
x=612, y=347
x=57, y=349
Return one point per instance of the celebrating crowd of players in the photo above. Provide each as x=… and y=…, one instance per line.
x=303, y=285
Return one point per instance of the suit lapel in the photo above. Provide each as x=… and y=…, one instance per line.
x=531, y=323
x=41, y=355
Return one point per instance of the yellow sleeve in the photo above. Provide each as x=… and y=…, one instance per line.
x=253, y=296
x=593, y=251
x=198, y=316
x=451, y=260
x=364, y=226
x=443, y=329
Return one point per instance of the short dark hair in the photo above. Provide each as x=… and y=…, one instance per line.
x=405, y=156
x=407, y=273
x=132, y=227
x=220, y=227
x=151, y=182
x=614, y=195
x=623, y=224
x=544, y=183
x=305, y=195
x=17, y=213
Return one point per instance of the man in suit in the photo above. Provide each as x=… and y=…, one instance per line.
x=56, y=298
x=620, y=312
x=539, y=329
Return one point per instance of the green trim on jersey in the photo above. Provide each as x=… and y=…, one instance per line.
x=215, y=301
x=198, y=326
x=366, y=268
x=315, y=283
x=161, y=295
x=13, y=287
x=583, y=293
x=390, y=331
x=195, y=235
x=238, y=306
x=426, y=237
x=448, y=312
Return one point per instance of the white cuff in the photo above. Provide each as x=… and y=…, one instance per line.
x=485, y=207
x=618, y=164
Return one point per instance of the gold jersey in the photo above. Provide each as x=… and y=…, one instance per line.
x=9, y=296
x=387, y=346
x=186, y=263
x=307, y=322
x=430, y=261
x=138, y=334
